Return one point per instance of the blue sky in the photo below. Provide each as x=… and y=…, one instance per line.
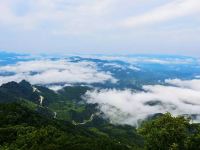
x=101, y=26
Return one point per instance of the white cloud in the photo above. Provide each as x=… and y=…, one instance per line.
x=129, y=107
x=52, y=72
x=191, y=84
x=145, y=59
x=197, y=77
x=169, y=11
x=77, y=17
x=56, y=87
x=66, y=17
x=119, y=66
x=100, y=26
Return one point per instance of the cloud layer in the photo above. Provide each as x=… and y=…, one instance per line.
x=54, y=72
x=76, y=16
x=167, y=60
x=130, y=107
x=100, y=26
x=168, y=11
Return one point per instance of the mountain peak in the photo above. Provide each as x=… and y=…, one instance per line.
x=25, y=83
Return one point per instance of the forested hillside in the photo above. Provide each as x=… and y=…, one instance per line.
x=36, y=118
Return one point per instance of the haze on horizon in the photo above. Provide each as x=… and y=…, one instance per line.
x=101, y=26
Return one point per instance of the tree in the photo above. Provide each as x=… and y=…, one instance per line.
x=165, y=133
x=193, y=142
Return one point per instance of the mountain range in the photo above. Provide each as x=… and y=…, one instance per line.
x=99, y=102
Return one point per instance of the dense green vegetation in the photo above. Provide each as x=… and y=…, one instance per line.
x=28, y=124
x=22, y=128
x=171, y=133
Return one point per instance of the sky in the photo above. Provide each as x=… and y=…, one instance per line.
x=101, y=26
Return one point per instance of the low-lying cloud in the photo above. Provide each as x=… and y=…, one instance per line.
x=121, y=67
x=130, y=107
x=147, y=59
x=191, y=84
x=54, y=72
